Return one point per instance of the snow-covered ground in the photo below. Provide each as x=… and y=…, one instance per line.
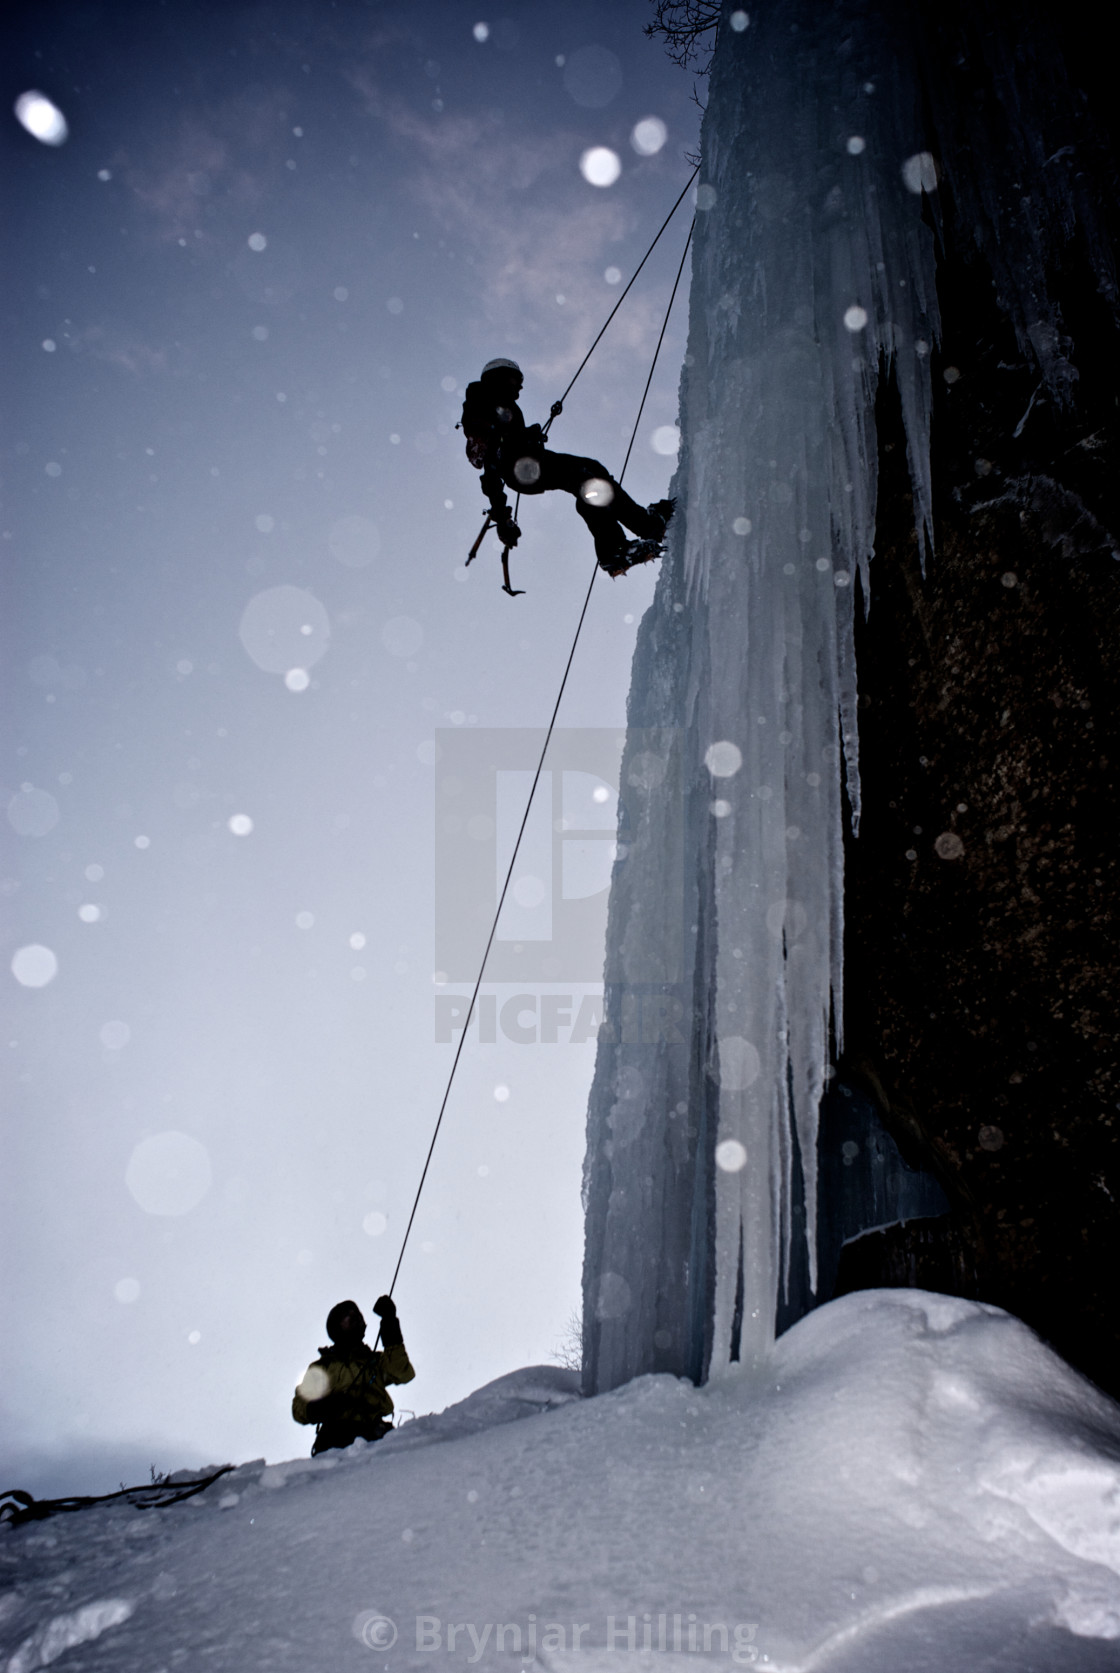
x=915, y=1482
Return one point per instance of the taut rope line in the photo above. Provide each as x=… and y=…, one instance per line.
x=547, y=741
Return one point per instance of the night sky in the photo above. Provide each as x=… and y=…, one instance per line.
x=242, y=300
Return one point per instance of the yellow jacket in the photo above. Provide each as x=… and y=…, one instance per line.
x=345, y=1386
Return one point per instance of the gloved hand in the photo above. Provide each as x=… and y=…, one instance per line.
x=508, y=532
x=386, y=1310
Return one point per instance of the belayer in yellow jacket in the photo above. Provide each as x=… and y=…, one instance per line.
x=343, y=1392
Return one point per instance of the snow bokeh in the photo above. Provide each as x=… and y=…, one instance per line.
x=42, y=118
x=169, y=1173
x=285, y=627
x=600, y=166
x=33, y=812
x=34, y=966
x=648, y=136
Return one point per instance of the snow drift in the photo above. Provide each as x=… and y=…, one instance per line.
x=913, y=1482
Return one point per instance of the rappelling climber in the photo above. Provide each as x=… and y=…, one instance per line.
x=512, y=454
x=343, y=1391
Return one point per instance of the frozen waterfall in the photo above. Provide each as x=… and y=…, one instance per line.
x=832, y=134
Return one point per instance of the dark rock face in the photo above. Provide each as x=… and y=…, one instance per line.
x=983, y=892
x=864, y=1183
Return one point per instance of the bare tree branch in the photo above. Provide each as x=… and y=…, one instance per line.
x=688, y=28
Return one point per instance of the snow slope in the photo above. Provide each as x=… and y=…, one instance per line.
x=914, y=1483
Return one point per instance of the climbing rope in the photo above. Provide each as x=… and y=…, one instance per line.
x=656, y=352
x=623, y=297
x=548, y=733
x=17, y=1507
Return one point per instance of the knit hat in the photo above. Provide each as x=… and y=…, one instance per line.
x=334, y=1317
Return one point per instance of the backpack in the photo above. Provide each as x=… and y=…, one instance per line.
x=479, y=425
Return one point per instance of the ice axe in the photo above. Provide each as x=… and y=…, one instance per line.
x=514, y=592
x=473, y=553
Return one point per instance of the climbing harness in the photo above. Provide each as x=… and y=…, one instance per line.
x=548, y=734
x=558, y=406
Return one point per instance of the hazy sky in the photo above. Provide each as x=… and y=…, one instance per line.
x=241, y=304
